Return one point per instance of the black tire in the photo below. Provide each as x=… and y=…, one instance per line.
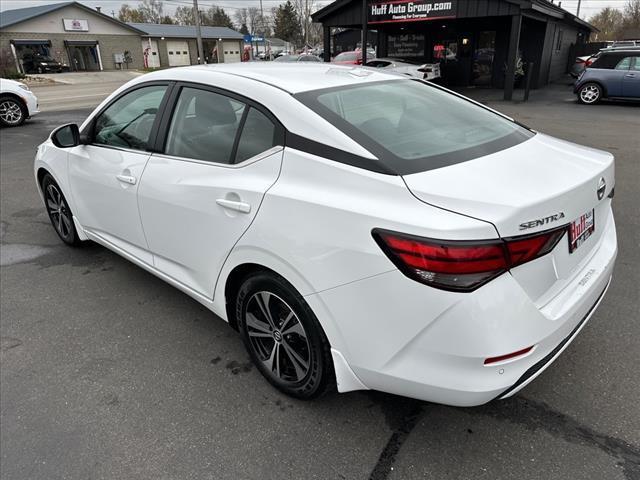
x=59, y=212
x=590, y=93
x=13, y=112
x=295, y=359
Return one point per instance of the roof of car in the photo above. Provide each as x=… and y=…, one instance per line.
x=296, y=77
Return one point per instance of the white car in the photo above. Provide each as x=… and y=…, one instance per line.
x=17, y=103
x=355, y=226
x=425, y=71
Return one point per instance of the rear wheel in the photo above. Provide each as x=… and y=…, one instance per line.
x=12, y=112
x=283, y=336
x=59, y=212
x=590, y=93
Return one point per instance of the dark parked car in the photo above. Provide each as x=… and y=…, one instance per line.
x=614, y=74
x=37, y=63
x=304, y=57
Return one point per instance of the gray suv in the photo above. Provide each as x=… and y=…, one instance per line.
x=614, y=74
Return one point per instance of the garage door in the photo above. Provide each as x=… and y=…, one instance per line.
x=178, y=53
x=232, y=52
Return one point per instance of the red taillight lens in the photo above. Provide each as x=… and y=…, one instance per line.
x=462, y=265
x=588, y=62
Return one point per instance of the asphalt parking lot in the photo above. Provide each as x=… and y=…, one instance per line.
x=107, y=372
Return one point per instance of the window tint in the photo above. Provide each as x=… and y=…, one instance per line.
x=636, y=64
x=128, y=121
x=624, y=64
x=412, y=126
x=204, y=126
x=257, y=136
x=607, y=61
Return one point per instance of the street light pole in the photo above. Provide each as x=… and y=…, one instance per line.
x=365, y=25
x=578, y=10
x=196, y=14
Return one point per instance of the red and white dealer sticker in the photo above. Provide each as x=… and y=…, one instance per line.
x=581, y=229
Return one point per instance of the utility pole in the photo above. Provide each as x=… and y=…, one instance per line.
x=196, y=14
x=578, y=11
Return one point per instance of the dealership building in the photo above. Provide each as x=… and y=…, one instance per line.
x=86, y=39
x=477, y=42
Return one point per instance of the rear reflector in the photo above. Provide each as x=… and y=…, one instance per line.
x=462, y=265
x=502, y=358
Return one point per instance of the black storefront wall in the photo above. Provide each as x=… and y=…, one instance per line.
x=472, y=39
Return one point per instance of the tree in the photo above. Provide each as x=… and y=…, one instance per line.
x=129, y=15
x=184, y=15
x=217, y=17
x=286, y=25
x=243, y=29
x=253, y=20
x=151, y=10
x=241, y=17
x=631, y=13
x=303, y=9
x=167, y=20
x=608, y=21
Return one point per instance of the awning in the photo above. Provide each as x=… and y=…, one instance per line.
x=80, y=43
x=31, y=42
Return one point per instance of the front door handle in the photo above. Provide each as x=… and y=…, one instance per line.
x=233, y=205
x=630, y=75
x=131, y=180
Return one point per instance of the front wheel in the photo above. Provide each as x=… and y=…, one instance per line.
x=59, y=211
x=283, y=336
x=12, y=112
x=590, y=93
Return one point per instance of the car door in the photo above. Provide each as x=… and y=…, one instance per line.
x=104, y=175
x=197, y=198
x=631, y=80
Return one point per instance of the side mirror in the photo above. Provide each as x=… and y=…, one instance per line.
x=66, y=136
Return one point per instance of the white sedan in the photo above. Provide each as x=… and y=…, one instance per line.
x=358, y=228
x=425, y=71
x=17, y=103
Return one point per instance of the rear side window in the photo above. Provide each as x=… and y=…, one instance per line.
x=607, y=62
x=258, y=135
x=636, y=64
x=204, y=126
x=412, y=126
x=346, y=57
x=624, y=64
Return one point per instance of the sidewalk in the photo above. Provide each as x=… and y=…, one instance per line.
x=85, y=78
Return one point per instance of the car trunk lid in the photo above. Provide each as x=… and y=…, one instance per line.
x=540, y=184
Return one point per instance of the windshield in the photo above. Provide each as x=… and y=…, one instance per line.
x=412, y=126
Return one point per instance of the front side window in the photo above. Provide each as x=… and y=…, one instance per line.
x=204, y=126
x=412, y=126
x=128, y=121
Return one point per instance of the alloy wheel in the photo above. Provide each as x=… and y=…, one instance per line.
x=589, y=94
x=278, y=337
x=59, y=211
x=10, y=112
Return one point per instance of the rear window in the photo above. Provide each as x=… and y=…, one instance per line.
x=346, y=57
x=412, y=126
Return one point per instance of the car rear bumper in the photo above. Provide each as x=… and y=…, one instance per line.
x=402, y=337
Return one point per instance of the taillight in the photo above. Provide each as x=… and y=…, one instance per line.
x=462, y=265
x=588, y=62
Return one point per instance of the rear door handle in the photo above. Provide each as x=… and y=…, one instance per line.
x=126, y=179
x=233, y=205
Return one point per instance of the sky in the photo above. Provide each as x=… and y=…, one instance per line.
x=587, y=9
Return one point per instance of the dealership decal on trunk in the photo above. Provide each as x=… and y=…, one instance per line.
x=542, y=221
x=581, y=229
x=410, y=11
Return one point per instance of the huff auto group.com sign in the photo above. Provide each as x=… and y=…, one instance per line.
x=410, y=11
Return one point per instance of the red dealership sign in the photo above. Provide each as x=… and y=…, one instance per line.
x=393, y=11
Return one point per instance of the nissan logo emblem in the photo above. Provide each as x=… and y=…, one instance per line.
x=602, y=186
